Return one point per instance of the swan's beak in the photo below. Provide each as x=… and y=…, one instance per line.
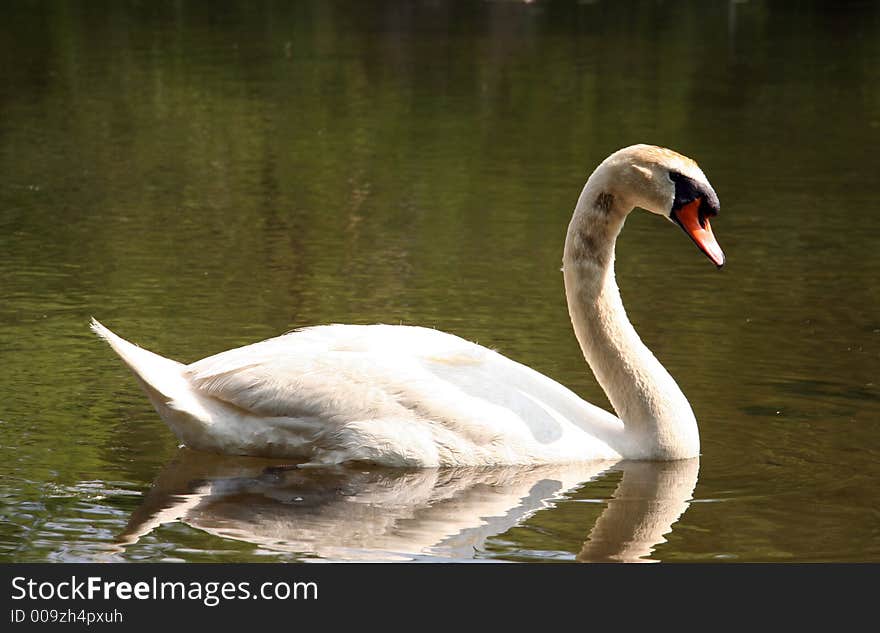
x=697, y=226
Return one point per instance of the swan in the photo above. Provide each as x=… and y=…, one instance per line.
x=407, y=396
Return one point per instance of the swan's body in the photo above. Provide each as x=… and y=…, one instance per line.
x=412, y=396
x=395, y=395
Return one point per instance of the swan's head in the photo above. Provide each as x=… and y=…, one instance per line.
x=669, y=184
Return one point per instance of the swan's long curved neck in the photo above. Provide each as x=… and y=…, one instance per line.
x=658, y=420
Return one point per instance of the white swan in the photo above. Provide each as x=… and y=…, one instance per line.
x=417, y=397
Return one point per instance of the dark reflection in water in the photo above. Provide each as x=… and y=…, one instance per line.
x=388, y=514
x=204, y=175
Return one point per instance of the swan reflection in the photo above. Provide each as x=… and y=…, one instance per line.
x=390, y=514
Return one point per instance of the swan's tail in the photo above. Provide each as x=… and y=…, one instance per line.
x=158, y=375
x=163, y=380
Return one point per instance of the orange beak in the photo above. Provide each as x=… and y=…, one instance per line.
x=699, y=230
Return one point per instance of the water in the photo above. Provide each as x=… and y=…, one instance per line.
x=200, y=177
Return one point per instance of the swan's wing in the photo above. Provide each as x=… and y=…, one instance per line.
x=344, y=373
x=360, y=372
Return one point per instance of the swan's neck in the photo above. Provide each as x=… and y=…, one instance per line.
x=658, y=420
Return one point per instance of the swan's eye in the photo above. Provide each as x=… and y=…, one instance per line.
x=687, y=190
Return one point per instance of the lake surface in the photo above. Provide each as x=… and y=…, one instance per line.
x=202, y=176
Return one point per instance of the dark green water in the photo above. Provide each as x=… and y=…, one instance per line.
x=200, y=177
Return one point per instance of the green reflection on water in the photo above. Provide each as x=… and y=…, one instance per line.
x=203, y=177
